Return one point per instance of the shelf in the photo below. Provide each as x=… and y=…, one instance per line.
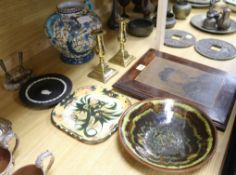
x=37, y=133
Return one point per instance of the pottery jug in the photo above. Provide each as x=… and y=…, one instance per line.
x=181, y=9
x=6, y=154
x=210, y=22
x=70, y=31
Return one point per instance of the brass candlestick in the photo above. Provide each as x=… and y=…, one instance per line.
x=122, y=57
x=102, y=71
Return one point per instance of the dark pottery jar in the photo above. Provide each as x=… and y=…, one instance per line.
x=181, y=9
x=70, y=31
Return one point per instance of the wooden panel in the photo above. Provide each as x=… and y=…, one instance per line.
x=22, y=27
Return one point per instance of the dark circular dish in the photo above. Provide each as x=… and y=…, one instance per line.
x=45, y=91
x=184, y=39
x=197, y=22
x=140, y=27
x=224, y=50
x=168, y=135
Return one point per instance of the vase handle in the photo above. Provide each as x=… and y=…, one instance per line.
x=89, y=4
x=40, y=159
x=7, y=134
x=49, y=24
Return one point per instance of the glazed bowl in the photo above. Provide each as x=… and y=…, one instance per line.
x=140, y=27
x=168, y=135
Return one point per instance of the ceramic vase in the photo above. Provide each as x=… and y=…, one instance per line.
x=181, y=9
x=70, y=31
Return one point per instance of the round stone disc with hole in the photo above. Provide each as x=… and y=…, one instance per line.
x=216, y=49
x=179, y=39
x=45, y=91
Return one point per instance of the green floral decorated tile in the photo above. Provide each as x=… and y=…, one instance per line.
x=91, y=114
x=168, y=135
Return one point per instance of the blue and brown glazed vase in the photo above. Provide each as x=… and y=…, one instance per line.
x=70, y=31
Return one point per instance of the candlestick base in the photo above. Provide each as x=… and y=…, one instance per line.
x=103, y=73
x=122, y=58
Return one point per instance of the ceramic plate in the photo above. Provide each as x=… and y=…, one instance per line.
x=168, y=135
x=90, y=114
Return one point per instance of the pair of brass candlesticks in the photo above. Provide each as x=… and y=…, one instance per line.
x=103, y=72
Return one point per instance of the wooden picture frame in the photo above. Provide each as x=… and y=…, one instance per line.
x=159, y=74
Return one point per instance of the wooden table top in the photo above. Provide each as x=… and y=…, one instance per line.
x=37, y=133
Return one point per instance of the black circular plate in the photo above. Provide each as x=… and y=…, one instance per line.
x=45, y=91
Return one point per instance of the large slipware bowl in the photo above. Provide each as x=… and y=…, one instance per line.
x=168, y=135
x=140, y=27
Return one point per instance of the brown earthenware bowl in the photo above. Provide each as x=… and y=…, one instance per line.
x=168, y=135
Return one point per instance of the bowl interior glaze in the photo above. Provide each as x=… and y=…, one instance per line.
x=168, y=135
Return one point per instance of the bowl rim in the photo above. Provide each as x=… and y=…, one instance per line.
x=161, y=169
x=148, y=21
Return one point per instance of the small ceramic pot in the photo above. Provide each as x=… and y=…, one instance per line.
x=181, y=9
x=6, y=155
x=170, y=20
x=37, y=168
x=140, y=27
